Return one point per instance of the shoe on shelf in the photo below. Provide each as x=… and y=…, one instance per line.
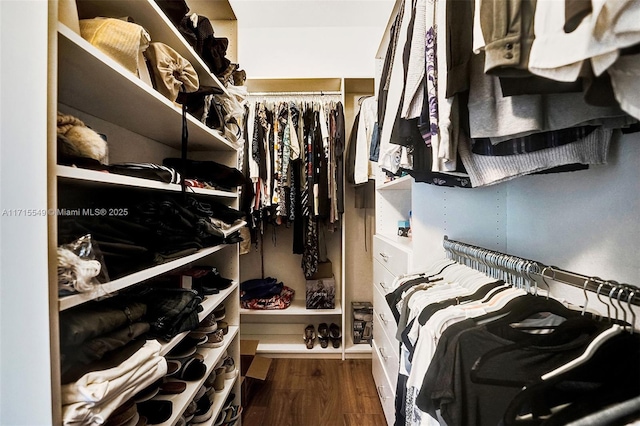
x=218, y=384
x=214, y=340
x=230, y=370
x=219, y=313
x=334, y=335
x=228, y=415
x=208, y=324
x=204, y=410
x=222, y=325
x=323, y=334
x=309, y=336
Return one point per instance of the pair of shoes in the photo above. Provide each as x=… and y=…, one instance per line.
x=325, y=333
x=309, y=336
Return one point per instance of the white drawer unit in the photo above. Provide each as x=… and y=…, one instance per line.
x=386, y=392
x=394, y=256
x=386, y=349
x=383, y=315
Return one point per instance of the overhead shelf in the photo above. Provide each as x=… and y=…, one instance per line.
x=108, y=179
x=403, y=183
x=92, y=82
x=147, y=14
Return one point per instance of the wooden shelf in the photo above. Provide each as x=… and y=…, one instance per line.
x=403, y=183
x=147, y=14
x=110, y=287
x=289, y=344
x=101, y=178
x=297, y=307
x=92, y=82
x=211, y=358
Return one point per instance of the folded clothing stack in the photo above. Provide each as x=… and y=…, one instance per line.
x=100, y=333
x=265, y=293
x=151, y=231
x=92, y=398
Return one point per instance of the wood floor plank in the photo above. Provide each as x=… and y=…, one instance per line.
x=316, y=392
x=360, y=389
x=356, y=419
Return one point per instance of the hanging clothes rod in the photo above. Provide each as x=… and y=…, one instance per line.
x=514, y=268
x=284, y=94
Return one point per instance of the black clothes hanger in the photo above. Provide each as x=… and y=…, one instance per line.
x=429, y=310
x=525, y=306
x=611, y=375
x=570, y=337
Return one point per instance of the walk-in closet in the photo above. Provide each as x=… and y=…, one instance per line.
x=319, y=213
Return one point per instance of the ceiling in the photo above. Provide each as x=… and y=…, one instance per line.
x=297, y=13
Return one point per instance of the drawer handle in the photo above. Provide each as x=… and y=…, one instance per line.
x=382, y=354
x=383, y=319
x=384, y=256
x=379, y=389
x=384, y=287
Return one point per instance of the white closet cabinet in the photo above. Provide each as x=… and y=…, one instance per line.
x=280, y=332
x=142, y=125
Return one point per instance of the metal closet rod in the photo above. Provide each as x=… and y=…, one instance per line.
x=495, y=259
x=294, y=93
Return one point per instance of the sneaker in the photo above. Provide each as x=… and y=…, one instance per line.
x=230, y=370
x=222, y=325
x=214, y=340
x=218, y=384
x=203, y=412
x=208, y=324
x=219, y=313
x=189, y=413
x=228, y=415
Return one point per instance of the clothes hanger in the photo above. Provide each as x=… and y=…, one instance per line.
x=595, y=344
x=609, y=375
x=573, y=329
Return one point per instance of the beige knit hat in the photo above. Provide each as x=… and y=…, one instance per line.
x=118, y=39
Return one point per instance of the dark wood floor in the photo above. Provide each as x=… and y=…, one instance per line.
x=315, y=392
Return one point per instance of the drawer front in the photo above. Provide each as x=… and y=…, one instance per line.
x=383, y=314
x=382, y=277
x=387, y=350
x=386, y=392
x=393, y=258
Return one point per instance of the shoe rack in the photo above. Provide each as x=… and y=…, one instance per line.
x=143, y=126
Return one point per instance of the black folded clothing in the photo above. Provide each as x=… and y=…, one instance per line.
x=260, y=288
x=149, y=171
x=219, y=175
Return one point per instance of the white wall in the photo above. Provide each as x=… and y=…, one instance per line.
x=308, y=39
x=25, y=385
x=586, y=221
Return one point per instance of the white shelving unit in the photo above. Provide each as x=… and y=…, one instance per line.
x=142, y=125
x=279, y=332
